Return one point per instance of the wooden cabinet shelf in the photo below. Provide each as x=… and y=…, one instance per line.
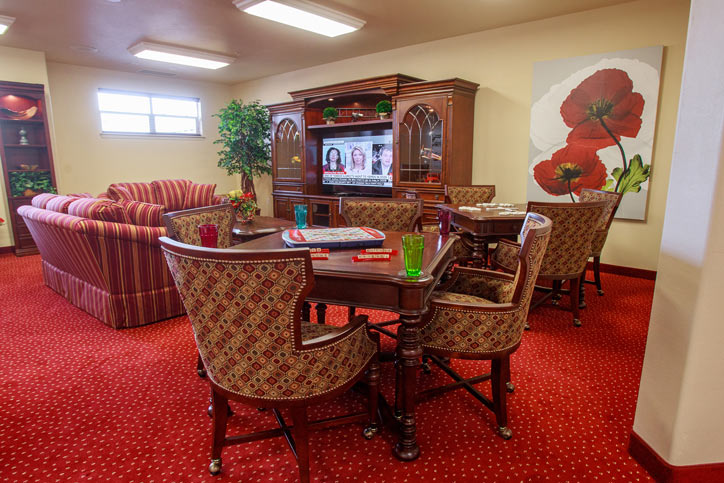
x=374, y=122
x=20, y=97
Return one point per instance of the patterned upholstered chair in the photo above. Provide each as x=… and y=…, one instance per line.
x=599, y=237
x=385, y=214
x=480, y=314
x=469, y=195
x=184, y=225
x=245, y=311
x=570, y=246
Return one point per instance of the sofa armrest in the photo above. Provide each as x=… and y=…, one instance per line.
x=140, y=234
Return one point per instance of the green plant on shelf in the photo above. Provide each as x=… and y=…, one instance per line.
x=384, y=107
x=330, y=113
x=29, y=183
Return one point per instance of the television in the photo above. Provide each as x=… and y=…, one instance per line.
x=360, y=161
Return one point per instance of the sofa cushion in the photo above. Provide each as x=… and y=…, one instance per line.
x=171, y=193
x=143, y=214
x=41, y=200
x=97, y=209
x=198, y=195
x=138, y=192
x=81, y=195
x=59, y=203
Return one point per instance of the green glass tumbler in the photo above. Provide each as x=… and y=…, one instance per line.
x=412, y=247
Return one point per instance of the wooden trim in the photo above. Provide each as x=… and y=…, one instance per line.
x=8, y=249
x=626, y=271
x=390, y=84
x=664, y=472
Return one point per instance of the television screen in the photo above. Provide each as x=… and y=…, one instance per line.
x=357, y=161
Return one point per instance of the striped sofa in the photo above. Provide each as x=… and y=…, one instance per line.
x=104, y=255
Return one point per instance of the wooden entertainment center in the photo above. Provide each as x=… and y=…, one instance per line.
x=432, y=137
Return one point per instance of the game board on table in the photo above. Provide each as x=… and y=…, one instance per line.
x=348, y=237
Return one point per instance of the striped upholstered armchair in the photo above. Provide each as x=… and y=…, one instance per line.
x=245, y=311
x=565, y=259
x=480, y=315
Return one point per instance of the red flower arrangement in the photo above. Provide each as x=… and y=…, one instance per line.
x=600, y=110
x=570, y=170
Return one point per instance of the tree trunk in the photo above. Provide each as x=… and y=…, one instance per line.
x=247, y=185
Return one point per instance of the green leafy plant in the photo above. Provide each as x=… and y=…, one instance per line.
x=330, y=113
x=245, y=133
x=36, y=181
x=384, y=107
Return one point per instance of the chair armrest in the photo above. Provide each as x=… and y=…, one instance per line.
x=337, y=335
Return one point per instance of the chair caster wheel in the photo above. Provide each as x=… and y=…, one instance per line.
x=557, y=297
x=261, y=409
x=215, y=466
x=369, y=432
x=426, y=368
x=510, y=387
x=201, y=373
x=210, y=411
x=582, y=305
x=600, y=293
x=527, y=327
x=577, y=322
x=505, y=432
x=554, y=302
x=397, y=415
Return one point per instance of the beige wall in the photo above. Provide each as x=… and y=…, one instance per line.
x=85, y=160
x=681, y=395
x=18, y=65
x=501, y=61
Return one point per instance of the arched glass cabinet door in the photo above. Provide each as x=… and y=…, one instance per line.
x=420, y=137
x=288, y=146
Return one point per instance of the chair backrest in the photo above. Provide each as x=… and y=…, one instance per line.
x=386, y=214
x=612, y=201
x=470, y=194
x=534, y=238
x=574, y=225
x=184, y=225
x=245, y=310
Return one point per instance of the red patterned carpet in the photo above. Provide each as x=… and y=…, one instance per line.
x=82, y=402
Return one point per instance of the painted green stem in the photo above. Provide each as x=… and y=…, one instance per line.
x=620, y=148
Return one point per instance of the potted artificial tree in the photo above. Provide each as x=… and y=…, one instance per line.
x=384, y=108
x=329, y=114
x=245, y=131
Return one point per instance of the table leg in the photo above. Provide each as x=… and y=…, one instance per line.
x=480, y=252
x=409, y=351
x=321, y=313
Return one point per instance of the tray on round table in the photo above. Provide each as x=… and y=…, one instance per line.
x=347, y=237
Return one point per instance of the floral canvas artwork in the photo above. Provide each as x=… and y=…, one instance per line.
x=592, y=126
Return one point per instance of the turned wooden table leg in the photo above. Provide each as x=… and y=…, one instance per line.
x=321, y=313
x=409, y=352
x=306, y=308
x=479, y=251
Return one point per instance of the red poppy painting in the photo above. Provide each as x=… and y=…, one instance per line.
x=594, y=129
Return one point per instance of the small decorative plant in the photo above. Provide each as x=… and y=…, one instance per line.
x=30, y=183
x=244, y=204
x=384, y=108
x=329, y=114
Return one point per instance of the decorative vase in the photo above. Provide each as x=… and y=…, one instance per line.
x=384, y=115
x=330, y=121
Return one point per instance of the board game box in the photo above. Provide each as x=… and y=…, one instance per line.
x=348, y=237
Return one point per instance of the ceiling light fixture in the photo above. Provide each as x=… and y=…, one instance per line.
x=180, y=55
x=302, y=14
x=5, y=23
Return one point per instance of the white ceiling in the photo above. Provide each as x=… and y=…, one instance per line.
x=59, y=27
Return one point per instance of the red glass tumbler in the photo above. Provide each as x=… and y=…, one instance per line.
x=209, y=235
x=444, y=217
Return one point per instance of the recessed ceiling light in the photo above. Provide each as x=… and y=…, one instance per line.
x=5, y=23
x=302, y=14
x=86, y=49
x=180, y=55
x=330, y=99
